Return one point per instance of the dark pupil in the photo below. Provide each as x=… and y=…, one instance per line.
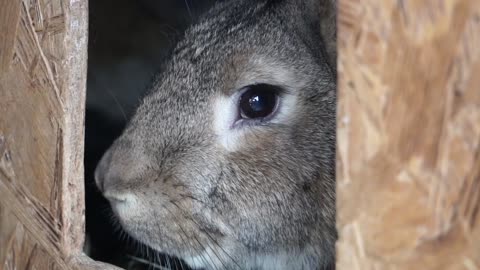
x=258, y=101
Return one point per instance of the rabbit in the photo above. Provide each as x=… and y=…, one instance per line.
x=229, y=160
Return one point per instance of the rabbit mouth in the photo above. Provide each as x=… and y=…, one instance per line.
x=182, y=236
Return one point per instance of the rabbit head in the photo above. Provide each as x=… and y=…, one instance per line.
x=229, y=162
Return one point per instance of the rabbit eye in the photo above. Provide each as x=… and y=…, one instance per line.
x=258, y=101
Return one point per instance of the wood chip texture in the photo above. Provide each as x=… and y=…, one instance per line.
x=408, y=155
x=43, y=54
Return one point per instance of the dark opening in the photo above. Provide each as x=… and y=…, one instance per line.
x=128, y=42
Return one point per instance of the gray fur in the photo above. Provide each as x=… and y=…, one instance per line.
x=269, y=203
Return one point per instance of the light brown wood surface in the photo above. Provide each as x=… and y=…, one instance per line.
x=43, y=54
x=408, y=164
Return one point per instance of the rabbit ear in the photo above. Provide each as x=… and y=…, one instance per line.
x=322, y=15
x=317, y=17
x=328, y=29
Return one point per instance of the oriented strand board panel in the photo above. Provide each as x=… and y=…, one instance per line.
x=408, y=163
x=23, y=251
x=43, y=58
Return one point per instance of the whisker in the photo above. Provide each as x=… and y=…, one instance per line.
x=181, y=265
x=168, y=263
x=186, y=235
x=146, y=262
x=209, y=236
x=198, y=241
x=188, y=9
x=117, y=102
x=175, y=261
x=110, y=93
x=173, y=218
x=202, y=256
x=212, y=248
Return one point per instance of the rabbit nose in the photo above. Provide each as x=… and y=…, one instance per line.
x=101, y=171
x=121, y=168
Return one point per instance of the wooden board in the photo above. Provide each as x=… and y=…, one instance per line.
x=42, y=97
x=408, y=164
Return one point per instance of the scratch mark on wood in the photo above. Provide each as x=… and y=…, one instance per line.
x=31, y=257
x=42, y=56
x=9, y=18
x=55, y=194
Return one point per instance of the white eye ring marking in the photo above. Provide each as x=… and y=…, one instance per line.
x=258, y=70
x=225, y=111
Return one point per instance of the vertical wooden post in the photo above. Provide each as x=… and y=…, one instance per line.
x=408, y=165
x=43, y=54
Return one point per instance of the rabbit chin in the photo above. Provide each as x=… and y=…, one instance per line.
x=282, y=260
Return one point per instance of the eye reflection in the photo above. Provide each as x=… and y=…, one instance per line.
x=258, y=101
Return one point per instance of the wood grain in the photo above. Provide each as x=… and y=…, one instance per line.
x=9, y=16
x=408, y=163
x=43, y=54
